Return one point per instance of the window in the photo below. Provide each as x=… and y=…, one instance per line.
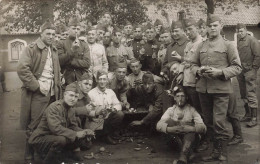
x=15, y=48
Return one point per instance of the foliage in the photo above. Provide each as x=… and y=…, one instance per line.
x=30, y=14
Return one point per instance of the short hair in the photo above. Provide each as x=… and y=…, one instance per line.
x=134, y=60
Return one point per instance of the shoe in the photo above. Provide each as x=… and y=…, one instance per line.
x=86, y=145
x=75, y=155
x=182, y=159
x=252, y=123
x=235, y=140
x=245, y=119
x=109, y=140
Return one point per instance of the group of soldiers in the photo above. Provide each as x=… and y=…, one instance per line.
x=79, y=79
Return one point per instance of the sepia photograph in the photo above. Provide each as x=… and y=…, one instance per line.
x=129, y=81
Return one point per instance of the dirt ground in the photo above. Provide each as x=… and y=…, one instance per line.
x=153, y=149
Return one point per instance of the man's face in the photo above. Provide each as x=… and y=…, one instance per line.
x=48, y=36
x=71, y=98
x=137, y=33
x=203, y=30
x=180, y=99
x=74, y=31
x=100, y=34
x=92, y=36
x=148, y=86
x=192, y=32
x=121, y=73
x=102, y=81
x=128, y=29
x=242, y=32
x=177, y=33
x=85, y=85
x=166, y=38
x=107, y=19
x=117, y=37
x=214, y=29
x=150, y=34
x=135, y=67
x=64, y=35
x=107, y=38
x=57, y=37
x=158, y=29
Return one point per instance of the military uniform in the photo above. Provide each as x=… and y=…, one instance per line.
x=57, y=129
x=249, y=53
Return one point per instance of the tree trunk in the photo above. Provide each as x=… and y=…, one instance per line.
x=47, y=10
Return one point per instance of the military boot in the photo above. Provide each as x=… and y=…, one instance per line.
x=219, y=152
x=29, y=151
x=247, y=115
x=52, y=156
x=253, y=121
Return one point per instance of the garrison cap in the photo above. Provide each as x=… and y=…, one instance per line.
x=201, y=22
x=158, y=22
x=86, y=76
x=128, y=23
x=116, y=29
x=72, y=87
x=176, y=24
x=138, y=26
x=212, y=18
x=74, y=21
x=121, y=64
x=178, y=89
x=189, y=22
x=240, y=25
x=166, y=30
x=47, y=25
x=101, y=26
x=101, y=72
x=148, y=26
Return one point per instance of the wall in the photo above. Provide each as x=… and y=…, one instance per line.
x=229, y=32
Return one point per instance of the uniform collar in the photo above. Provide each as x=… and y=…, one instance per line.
x=101, y=92
x=41, y=45
x=243, y=39
x=181, y=41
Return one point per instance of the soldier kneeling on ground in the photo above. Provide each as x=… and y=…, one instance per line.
x=182, y=123
x=58, y=131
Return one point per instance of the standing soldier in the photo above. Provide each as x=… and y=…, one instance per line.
x=249, y=53
x=158, y=25
x=73, y=53
x=202, y=29
x=128, y=34
x=215, y=61
x=39, y=70
x=137, y=41
x=150, y=50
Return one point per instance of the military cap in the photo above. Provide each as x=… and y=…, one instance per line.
x=201, y=22
x=72, y=87
x=57, y=29
x=74, y=21
x=147, y=77
x=47, y=25
x=101, y=27
x=178, y=89
x=86, y=76
x=134, y=60
x=128, y=23
x=101, y=72
x=138, y=26
x=106, y=12
x=240, y=25
x=148, y=26
x=212, y=18
x=62, y=27
x=116, y=29
x=158, y=22
x=189, y=22
x=165, y=30
x=176, y=24
x=121, y=64
x=91, y=29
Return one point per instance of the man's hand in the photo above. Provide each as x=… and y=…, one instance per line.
x=126, y=105
x=176, y=56
x=214, y=72
x=136, y=123
x=188, y=129
x=179, y=79
x=89, y=132
x=75, y=45
x=137, y=82
x=80, y=134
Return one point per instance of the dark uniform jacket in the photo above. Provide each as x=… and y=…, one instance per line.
x=249, y=52
x=59, y=119
x=145, y=100
x=221, y=54
x=177, y=46
x=74, y=64
x=136, y=44
x=29, y=70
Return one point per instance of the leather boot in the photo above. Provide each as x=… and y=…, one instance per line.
x=214, y=155
x=51, y=157
x=247, y=115
x=219, y=152
x=253, y=120
x=237, y=138
x=29, y=151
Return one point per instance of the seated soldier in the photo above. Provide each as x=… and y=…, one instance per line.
x=83, y=106
x=148, y=97
x=118, y=82
x=183, y=122
x=106, y=114
x=58, y=129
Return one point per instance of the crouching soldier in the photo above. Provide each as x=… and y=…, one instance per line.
x=183, y=122
x=148, y=96
x=58, y=130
